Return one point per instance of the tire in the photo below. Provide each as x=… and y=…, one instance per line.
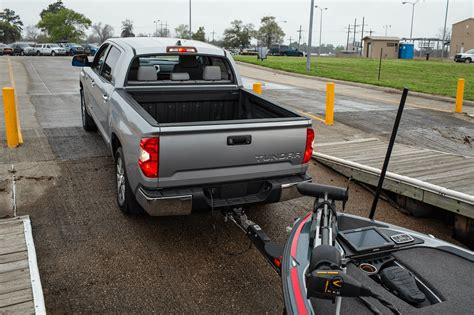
x=53, y=53
x=126, y=201
x=87, y=122
x=468, y=60
x=22, y=53
x=38, y=53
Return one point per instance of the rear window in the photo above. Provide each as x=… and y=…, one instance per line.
x=180, y=69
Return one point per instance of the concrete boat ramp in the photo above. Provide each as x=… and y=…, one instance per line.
x=431, y=177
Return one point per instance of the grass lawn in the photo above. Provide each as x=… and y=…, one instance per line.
x=434, y=77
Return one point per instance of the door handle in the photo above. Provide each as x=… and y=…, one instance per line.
x=105, y=97
x=239, y=140
x=92, y=82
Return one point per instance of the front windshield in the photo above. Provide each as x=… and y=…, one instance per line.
x=470, y=51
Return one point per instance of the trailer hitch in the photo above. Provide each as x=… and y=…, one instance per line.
x=272, y=251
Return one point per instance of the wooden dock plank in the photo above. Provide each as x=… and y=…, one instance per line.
x=15, y=256
x=438, y=169
x=16, y=297
x=15, y=274
x=20, y=285
x=27, y=307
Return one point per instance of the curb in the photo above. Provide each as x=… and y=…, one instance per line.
x=362, y=85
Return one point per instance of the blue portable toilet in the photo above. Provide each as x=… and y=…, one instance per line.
x=405, y=51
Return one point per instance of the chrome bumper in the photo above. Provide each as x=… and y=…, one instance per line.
x=182, y=204
x=165, y=206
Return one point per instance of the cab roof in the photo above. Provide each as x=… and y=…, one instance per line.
x=158, y=45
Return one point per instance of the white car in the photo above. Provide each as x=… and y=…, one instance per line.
x=466, y=57
x=49, y=50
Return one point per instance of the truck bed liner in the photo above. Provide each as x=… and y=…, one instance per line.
x=212, y=105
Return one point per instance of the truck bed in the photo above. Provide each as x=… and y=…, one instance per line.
x=168, y=107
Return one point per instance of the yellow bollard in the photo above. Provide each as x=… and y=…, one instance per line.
x=459, y=96
x=11, y=120
x=330, y=103
x=257, y=87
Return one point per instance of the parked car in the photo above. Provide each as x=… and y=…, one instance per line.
x=23, y=49
x=5, y=50
x=184, y=133
x=283, y=50
x=49, y=50
x=466, y=57
x=72, y=48
x=249, y=52
x=90, y=49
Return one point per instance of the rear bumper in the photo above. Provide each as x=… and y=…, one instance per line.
x=183, y=201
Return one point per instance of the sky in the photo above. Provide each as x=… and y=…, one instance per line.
x=216, y=15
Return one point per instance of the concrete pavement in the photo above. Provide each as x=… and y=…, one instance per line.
x=93, y=259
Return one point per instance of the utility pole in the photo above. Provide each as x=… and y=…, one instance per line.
x=299, y=37
x=370, y=32
x=348, y=33
x=290, y=41
x=362, y=35
x=354, y=41
x=386, y=27
x=213, y=35
x=320, y=27
x=190, y=29
x=310, y=34
x=156, y=26
x=444, y=30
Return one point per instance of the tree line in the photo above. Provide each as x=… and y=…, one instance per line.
x=59, y=23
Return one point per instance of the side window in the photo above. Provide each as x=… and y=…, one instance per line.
x=47, y=46
x=110, y=63
x=99, y=58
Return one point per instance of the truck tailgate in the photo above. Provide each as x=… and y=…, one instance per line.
x=204, y=154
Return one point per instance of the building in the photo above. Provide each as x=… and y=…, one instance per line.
x=388, y=45
x=462, y=36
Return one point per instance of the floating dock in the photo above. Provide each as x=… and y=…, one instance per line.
x=435, y=178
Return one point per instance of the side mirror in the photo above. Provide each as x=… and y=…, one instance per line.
x=80, y=61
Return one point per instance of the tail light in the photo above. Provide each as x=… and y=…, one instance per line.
x=180, y=49
x=149, y=156
x=309, y=145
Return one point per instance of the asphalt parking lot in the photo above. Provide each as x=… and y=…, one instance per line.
x=93, y=259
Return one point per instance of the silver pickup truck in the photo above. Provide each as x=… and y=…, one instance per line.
x=184, y=133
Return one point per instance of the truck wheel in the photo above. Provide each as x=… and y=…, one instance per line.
x=53, y=53
x=468, y=60
x=38, y=53
x=87, y=122
x=125, y=199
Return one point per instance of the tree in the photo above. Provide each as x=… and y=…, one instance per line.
x=64, y=24
x=31, y=33
x=270, y=32
x=238, y=35
x=182, y=31
x=10, y=26
x=103, y=32
x=127, y=29
x=53, y=8
x=200, y=34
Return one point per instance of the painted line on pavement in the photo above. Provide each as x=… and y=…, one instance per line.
x=37, y=74
x=312, y=116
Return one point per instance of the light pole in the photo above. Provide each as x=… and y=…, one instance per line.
x=412, y=14
x=444, y=30
x=156, y=27
x=190, y=29
x=320, y=27
x=310, y=34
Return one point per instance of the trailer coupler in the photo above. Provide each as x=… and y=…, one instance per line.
x=272, y=251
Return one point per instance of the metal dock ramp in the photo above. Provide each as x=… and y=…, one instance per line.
x=432, y=177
